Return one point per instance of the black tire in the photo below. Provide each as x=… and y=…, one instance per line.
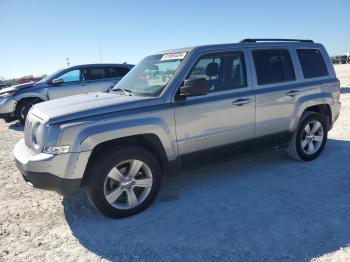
x=295, y=149
x=22, y=109
x=99, y=170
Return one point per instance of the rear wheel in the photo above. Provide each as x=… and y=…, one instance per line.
x=310, y=138
x=124, y=182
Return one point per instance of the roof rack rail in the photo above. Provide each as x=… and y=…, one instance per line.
x=254, y=40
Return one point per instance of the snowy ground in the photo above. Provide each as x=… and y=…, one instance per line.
x=260, y=208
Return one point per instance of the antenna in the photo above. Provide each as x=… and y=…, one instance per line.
x=99, y=46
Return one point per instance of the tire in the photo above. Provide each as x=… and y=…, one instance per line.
x=112, y=193
x=22, y=109
x=306, y=146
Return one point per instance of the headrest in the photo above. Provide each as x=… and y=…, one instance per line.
x=212, y=69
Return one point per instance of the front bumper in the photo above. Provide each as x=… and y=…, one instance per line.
x=46, y=171
x=47, y=181
x=7, y=106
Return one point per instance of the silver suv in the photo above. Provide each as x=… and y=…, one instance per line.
x=177, y=109
x=16, y=101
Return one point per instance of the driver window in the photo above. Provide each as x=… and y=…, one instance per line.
x=222, y=72
x=71, y=76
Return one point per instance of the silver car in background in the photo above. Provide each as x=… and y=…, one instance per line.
x=16, y=101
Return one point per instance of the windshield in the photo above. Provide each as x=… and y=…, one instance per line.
x=48, y=77
x=151, y=75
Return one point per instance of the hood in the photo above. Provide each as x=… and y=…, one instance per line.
x=86, y=105
x=17, y=87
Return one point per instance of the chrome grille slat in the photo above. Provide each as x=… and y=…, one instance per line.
x=28, y=129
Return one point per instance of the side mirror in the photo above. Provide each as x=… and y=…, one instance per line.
x=57, y=82
x=194, y=87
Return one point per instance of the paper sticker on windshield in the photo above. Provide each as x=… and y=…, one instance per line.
x=171, y=56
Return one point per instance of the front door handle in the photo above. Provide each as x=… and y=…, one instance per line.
x=293, y=93
x=240, y=102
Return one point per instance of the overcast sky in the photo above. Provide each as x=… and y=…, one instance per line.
x=36, y=37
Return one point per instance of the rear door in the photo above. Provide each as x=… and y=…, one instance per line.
x=276, y=88
x=95, y=79
x=72, y=84
x=114, y=74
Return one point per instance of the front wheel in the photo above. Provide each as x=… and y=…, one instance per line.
x=124, y=182
x=310, y=138
x=23, y=109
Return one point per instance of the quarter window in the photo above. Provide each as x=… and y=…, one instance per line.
x=222, y=71
x=94, y=73
x=273, y=66
x=312, y=63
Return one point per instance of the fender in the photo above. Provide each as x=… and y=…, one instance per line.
x=84, y=138
x=307, y=101
x=31, y=95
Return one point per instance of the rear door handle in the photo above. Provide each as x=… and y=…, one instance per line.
x=293, y=93
x=240, y=102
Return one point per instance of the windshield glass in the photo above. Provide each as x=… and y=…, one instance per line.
x=151, y=75
x=48, y=77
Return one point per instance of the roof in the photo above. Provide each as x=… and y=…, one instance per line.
x=101, y=64
x=245, y=43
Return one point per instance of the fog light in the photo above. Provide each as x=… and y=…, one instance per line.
x=58, y=149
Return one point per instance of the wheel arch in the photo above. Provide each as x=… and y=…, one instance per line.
x=148, y=141
x=324, y=110
x=28, y=98
x=319, y=103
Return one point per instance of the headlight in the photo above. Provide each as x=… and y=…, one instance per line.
x=7, y=94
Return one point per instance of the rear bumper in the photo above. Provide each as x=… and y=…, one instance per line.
x=47, y=181
x=335, y=111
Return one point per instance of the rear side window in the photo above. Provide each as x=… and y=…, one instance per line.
x=273, y=66
x=114, y=72
x=94, y=73
x=312, y=63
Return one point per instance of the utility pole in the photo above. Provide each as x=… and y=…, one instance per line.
x=99, y=46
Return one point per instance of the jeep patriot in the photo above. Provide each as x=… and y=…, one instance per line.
x=178, y=109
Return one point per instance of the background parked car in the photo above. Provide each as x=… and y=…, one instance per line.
x=16, y=101
x=343, y=59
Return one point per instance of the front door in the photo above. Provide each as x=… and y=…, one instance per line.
x=221, y=123
x=72, y=84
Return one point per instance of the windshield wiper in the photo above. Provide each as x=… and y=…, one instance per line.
x=125, y=91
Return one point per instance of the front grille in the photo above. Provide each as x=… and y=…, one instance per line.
x=31, y=122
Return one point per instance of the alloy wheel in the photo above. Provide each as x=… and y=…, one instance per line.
x=312, y=137
x=128, y=184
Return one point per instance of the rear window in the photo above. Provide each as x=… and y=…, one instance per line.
x=113, y=72
x=273, y=66
x=312, y=63
x=94, y=73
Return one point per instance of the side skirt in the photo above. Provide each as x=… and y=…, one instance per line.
x=228, y=152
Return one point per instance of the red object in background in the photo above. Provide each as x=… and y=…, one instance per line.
x=27, y=79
